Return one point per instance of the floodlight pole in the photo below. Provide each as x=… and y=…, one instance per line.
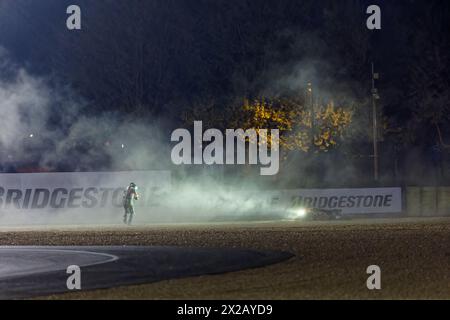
x=375, y=126
x=311, y=107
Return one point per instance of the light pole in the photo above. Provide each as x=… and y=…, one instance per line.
x=309, y=93
x=375, y=96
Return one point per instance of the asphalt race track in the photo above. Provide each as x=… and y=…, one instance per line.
x=30, y=271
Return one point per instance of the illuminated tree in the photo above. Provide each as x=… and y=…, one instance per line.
x=300, y=128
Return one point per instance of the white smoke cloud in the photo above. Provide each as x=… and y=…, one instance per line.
x=23, y=103
x=56, y=120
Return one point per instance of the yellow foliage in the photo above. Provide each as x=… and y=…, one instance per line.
x=299, y=128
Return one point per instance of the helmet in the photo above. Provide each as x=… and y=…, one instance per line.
x=132, y=185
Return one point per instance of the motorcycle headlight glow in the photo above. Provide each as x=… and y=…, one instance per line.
x=301, y=212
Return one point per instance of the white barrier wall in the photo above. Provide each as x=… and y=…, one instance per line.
x=350, y=201
x=82, y=191
x=96, y=197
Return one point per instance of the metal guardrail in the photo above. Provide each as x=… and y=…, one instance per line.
x=427, y=201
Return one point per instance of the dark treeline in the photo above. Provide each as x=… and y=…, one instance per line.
x=165, y=58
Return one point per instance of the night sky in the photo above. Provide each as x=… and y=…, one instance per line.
x=159, y=59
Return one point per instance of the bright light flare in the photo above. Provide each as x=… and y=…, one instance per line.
x=301, y=213
x=297, y=213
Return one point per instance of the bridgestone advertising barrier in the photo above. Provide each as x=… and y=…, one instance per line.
x=29, y=197
x=96, y=197
x=349, y=201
